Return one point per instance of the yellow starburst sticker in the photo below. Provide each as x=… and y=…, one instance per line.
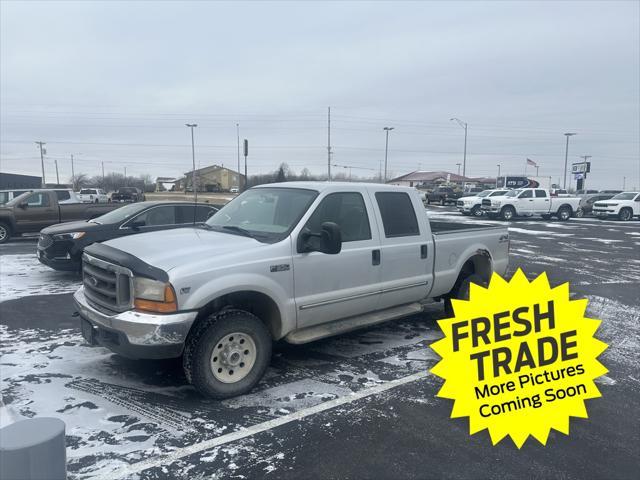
x=519, y=358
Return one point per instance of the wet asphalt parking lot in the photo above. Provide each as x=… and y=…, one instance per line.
x=362, y=405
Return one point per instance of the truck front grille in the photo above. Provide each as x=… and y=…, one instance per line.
x=460, y=203
x=108, y=287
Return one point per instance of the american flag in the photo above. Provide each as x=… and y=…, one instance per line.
x=531, y=162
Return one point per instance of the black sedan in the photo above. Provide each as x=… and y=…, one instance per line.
x=61, y=246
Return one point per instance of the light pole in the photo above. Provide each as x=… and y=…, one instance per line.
x=566, y=158
x=464, y=157
x=386, y=150
x=42, y=152
x=498, y=165
x=193, y=159
x=57, y=176
x=458, y=164
x=238, y=137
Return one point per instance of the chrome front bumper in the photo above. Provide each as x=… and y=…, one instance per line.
x=140, y=329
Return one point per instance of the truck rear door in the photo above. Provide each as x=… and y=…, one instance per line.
x=541, y=201
x=330, y=287
x=406, y=247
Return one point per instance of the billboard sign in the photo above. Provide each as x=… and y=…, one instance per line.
x=581, y=167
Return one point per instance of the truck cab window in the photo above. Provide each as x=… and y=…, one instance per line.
x=526, y=194
x=398, y=216
x=63, y=195
x=347, y=209
x=38, y=200
x=541, y=194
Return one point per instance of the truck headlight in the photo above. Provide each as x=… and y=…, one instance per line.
x=69, y=236
x=495, y=203
x=153, y=296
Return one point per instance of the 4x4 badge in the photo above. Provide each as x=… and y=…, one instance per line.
x=283, y=267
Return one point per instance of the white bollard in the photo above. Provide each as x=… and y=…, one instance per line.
x=33, y=449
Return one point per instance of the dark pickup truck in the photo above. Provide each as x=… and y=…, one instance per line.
x=443, y=195
x=33, y=211
x=128, y=194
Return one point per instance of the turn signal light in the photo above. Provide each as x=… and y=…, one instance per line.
x=169, y=304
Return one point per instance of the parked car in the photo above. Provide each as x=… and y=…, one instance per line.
x=295, y=261
x=61, y=246
x=93, y=195
x=234, y=190
x=33, y=211
x=443, y=195
x=623, y=206
x=527, y=202
x=128, y=194
x=472, y=205
x=615, y=192
x=587, y=201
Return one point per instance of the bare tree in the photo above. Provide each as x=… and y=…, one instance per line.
x=79, y=181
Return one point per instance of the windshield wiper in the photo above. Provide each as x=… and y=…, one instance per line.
x=240, y=230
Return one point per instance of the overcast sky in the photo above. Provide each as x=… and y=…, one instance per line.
x=117, y=81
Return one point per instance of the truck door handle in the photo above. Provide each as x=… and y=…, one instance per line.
x=424, y=251
x=375, y=257
x=531, y=200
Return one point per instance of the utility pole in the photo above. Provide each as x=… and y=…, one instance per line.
x=464, y=156
x=566, y=158
x=386, y=150
x=246, y=154
x=57, y=176
x=624, y=183
x=42, y=152
x=73, y=175
x=329, y=143
x=193, y=159
x=102, y=174
x=458, y=164
x=125, y=176
x=498, y=165
x=239, y=174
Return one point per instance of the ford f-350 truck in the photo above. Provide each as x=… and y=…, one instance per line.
x=296, y=261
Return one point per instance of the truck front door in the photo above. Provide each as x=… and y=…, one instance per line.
x=330, y=287
x=35, y=213
x=525, y=204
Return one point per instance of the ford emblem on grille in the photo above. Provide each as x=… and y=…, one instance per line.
x=93, y=281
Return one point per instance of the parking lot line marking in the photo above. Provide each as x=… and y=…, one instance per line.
x=255, y=429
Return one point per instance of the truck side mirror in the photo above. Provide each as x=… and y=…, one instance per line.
x=328, y=240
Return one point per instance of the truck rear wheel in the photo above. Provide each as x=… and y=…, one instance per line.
x=462, y=291
x=625, y=214
x=5, y=232
x=227, y=354
x=564, y=214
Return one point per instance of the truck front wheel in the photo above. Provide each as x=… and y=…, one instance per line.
x=508, y=213
x=625, y=214
x=227, y=354
x=462, y=291
x=5, y=232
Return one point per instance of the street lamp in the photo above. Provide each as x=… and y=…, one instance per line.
x=193, y=158
x=498, y=165
x=464, y=158
x=566, y=157
x=386, y=150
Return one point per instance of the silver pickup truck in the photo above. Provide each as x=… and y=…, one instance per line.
x=296, y=261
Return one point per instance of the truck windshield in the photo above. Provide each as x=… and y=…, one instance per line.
x=484, y=193
x=513, y=193
x=264, y=213
x=625, y=196
x=120, y=214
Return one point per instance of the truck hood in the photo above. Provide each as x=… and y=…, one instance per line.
x=167, y=249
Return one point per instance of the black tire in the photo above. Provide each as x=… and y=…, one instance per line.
x=5, y=232
x=200, y=351
x=507, y=213
x=476, y=211
x=625, y=214
x=462, y=291
x=564, y=214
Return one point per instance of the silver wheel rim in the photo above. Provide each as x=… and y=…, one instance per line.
x=3, y=233
x=564, y=215
x=507, y=214
x=625, y=215
x=233, y=357
x=477, y=212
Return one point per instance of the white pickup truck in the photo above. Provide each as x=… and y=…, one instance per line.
x=93, y=195
x=623, y=206
x=472, y=205
x=296, y=261
x=527, y=202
